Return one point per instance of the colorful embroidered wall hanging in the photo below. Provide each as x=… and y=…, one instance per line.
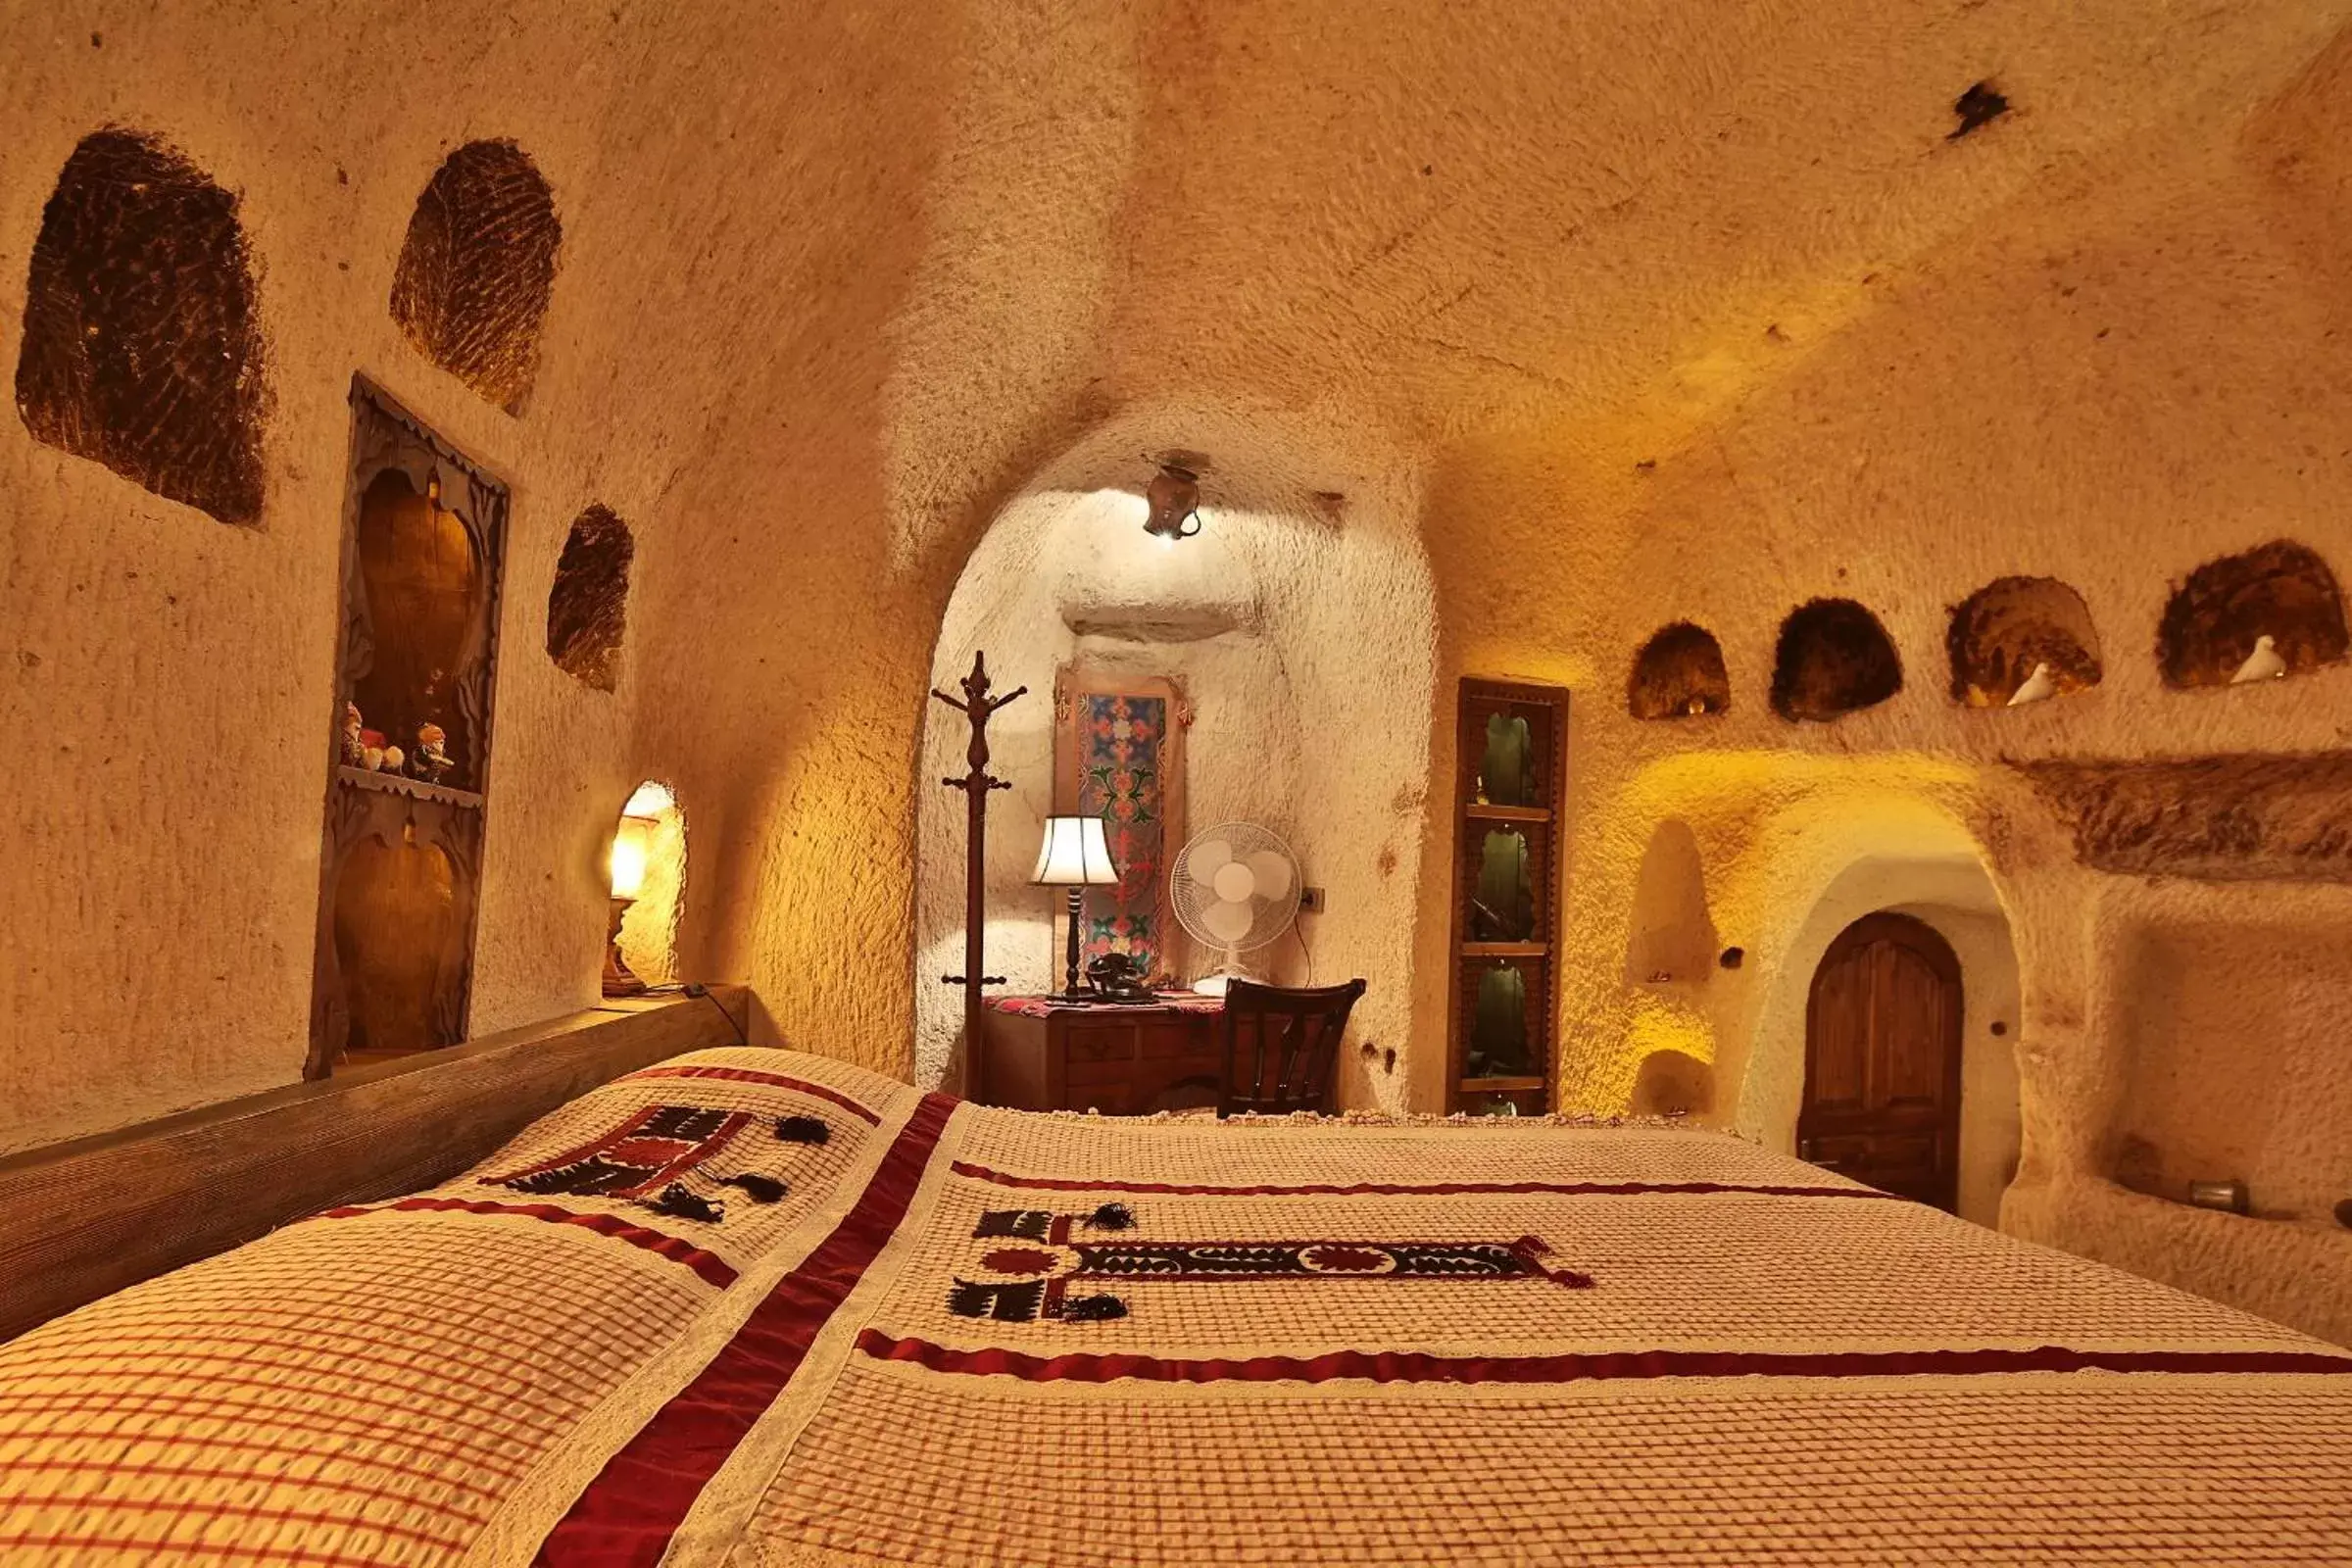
x=1118, y=755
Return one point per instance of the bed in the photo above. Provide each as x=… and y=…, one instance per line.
x=757, y=1307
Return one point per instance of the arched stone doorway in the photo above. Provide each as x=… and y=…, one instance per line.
x=1883, y=1043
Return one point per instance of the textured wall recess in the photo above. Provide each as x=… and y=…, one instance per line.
x=477, y=267
x=2006, y=628
x=2224, y=818
x=1679, y=674
x=1833, y=657
x=587, y=610
x=2280, y=590
x=140, y=348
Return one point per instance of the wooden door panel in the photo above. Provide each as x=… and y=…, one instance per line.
x=1883, y=1060
x=1907, y=1033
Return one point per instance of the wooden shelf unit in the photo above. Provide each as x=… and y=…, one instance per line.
x=1506, y=941
x=400, y=866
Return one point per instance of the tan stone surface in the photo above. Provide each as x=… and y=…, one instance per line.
x=1600, y=318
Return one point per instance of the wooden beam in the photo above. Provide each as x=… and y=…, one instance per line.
x=82, y=1219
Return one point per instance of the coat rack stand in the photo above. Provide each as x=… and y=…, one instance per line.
x=978, y=706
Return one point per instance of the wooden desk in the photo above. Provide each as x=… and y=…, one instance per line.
x=1121, y=1060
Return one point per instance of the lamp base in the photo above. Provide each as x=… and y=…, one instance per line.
x=618, y=980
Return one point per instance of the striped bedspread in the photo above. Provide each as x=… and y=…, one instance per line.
x=756, y=1308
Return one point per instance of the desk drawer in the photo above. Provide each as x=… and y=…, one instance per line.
x=1166, y=1042
x=1114, y=1043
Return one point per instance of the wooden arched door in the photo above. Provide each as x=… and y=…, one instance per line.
x=1883, y=1060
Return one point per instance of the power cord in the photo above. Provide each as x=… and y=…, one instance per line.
x=695, y=988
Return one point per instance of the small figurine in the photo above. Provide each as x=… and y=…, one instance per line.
x=354, y=754
x=371, y=749
x=431, y=757
x=2263, y=664
x=2035, y=688
x=393, y=758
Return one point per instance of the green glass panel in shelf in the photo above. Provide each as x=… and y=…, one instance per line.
x=1504, y=775
x=1505, y=900
x=1499, y=1026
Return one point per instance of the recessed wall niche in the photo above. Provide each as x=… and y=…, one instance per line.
x=2281, y=590
x=587, y=609
x=1679, y=673
x=2000, y=633
x=1833, y=657
x=141, y=350
x=477, y=269
x=400, y=869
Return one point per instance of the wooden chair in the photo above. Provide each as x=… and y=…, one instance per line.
x=1282, y=1046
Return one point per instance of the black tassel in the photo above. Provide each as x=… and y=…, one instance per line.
x=678, y=1201
x=1112, y=1218
x=803, y=1130
x=1093, y=1309
x=763, y=1188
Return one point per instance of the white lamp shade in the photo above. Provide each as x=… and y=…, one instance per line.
x=1074, y=854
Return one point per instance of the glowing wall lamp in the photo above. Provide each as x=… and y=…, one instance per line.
x=1175, y=496
x=632, y=847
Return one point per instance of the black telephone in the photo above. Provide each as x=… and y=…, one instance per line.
x=1116, y=978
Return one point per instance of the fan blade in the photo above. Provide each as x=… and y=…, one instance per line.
x=1208, y=857
x=1272, y=871
x=1227, y=922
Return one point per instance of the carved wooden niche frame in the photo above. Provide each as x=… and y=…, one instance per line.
x=403, y=982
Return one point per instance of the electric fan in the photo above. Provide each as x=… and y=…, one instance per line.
x=1234, y=887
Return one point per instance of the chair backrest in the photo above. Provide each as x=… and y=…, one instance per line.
x=1282, y=1046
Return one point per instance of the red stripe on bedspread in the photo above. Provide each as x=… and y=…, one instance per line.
x=630, y=1511
x=676, y=1248
x=752, y=1075
x=1414, y=1366
x=1062, y=1184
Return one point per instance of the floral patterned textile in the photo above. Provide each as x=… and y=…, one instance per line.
x=1122, y=741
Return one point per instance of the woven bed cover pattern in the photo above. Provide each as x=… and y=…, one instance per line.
x=757, y=1307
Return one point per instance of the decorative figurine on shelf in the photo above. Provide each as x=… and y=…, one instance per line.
x=354, y=752
x=431, y=757
x=371, y=749
x=393, y=758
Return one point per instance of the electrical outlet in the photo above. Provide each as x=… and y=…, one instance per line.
x=1310, y=901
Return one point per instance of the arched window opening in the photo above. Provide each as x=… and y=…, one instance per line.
x=477, y=270
x=141, y=350
x=2005, y=631
x=1833, y=657
x=1679, y=674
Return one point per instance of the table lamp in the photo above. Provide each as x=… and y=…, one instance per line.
x=632, y=847
x=1075, y=855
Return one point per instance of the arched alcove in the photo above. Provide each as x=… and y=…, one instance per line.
x=587, y=609
x=1256, y=624
x=1673, y=1083
x=2000, y=633
x=1837, y=858
x=477, y=269
x=646, y=868
x=141, y=349
x=1833, y=657
x=1672, y=934
x=1679, y=673
x=2281, y=590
